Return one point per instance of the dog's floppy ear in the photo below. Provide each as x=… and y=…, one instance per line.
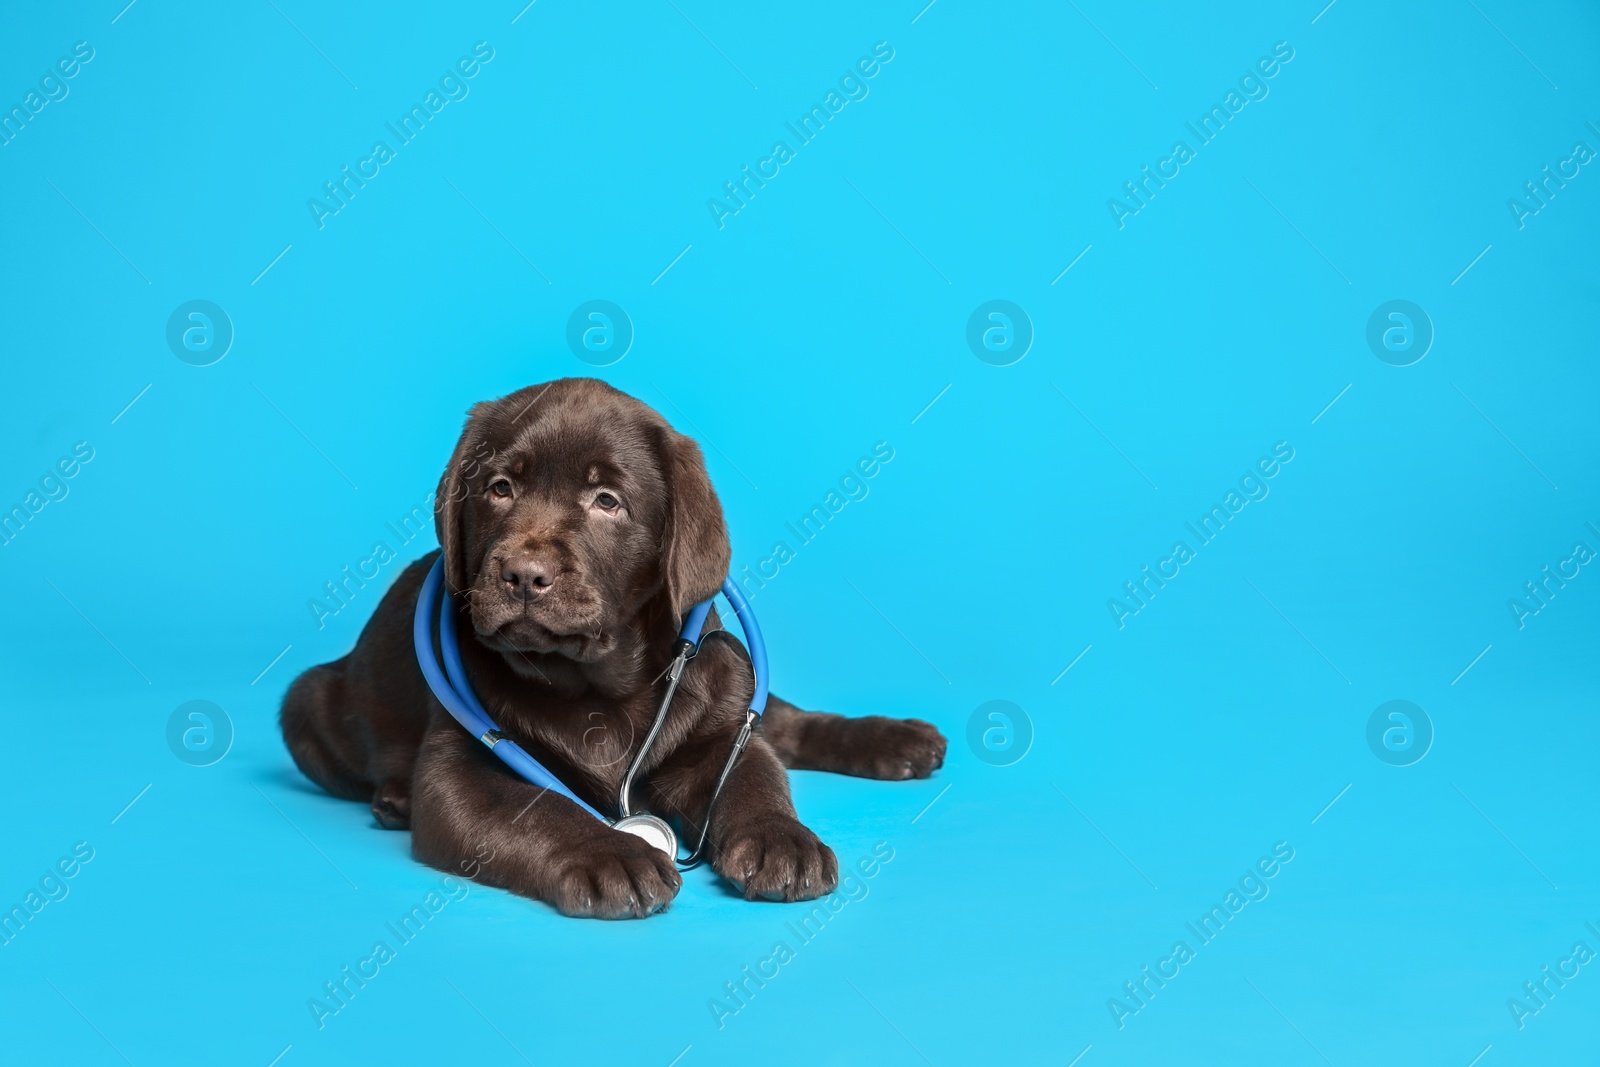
x=449, y=500
x=695, y=549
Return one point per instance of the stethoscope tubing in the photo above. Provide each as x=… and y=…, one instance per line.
x=454, y=692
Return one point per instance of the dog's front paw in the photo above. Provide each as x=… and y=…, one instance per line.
x=614, y=875
x=777, y=859
x=893, y=749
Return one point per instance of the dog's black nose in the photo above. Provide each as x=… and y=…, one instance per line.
x=526, y=577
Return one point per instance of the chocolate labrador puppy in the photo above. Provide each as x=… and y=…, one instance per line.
x=578, y=528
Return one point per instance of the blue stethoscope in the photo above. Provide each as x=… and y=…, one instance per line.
x=450, y=685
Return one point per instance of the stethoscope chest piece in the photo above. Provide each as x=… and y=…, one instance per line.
x=650, y=829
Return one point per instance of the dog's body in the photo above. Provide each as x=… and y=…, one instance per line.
x=580, y=528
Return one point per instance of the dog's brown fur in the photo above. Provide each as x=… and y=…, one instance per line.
x=571, y=610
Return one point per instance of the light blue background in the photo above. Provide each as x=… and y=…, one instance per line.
x=821, y=319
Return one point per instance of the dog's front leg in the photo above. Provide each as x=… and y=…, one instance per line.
x=756, y=840
x=472, y=817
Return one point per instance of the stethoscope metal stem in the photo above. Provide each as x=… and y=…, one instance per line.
x=450, y=686
x=727, y=768
x=680, y=659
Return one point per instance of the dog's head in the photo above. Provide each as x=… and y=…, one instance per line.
x=569, y=509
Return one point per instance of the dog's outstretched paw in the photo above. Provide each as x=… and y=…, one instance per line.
x=876, y=746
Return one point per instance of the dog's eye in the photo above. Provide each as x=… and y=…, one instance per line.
x=500, y=487
x=607, y=502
